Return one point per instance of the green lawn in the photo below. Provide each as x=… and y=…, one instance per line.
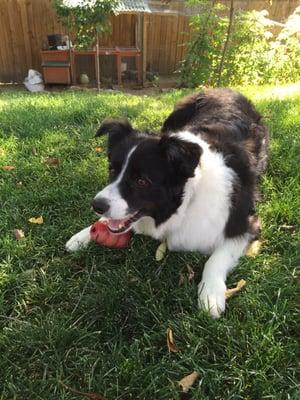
x=96, y=319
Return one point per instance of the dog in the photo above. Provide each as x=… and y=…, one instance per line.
x=194, y=186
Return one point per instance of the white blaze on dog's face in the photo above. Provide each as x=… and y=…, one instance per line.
x=148, y=175
x=109, y=200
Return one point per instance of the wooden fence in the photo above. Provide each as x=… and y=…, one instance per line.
x=25, y=24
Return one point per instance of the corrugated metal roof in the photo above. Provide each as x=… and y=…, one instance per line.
x=133, y=6
x=123, y=6
x=164, y=7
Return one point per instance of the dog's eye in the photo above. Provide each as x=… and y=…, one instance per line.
x=142, y=182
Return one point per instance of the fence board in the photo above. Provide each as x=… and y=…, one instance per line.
x=25, y=24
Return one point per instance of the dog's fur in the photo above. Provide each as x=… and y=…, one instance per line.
x=195, y=186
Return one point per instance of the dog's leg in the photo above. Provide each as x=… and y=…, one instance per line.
x=211, y=289
x=79, y=240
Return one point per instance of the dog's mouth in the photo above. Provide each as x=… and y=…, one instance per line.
x=118, y=226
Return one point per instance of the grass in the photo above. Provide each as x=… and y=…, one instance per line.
x=96, y=319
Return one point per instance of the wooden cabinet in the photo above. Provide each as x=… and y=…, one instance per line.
x=56, y=66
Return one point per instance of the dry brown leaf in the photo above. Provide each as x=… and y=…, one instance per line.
x=230, y=292
x=38, y=220
x=89, y=395
x=51, y=161
x=19, y=234
x=254, y=248
x=187, y=382
x=288, y=228
x=98, y=149
x=133, y=279
x=8, y=168
x=161, y=251
x=170, y=341
x=186, y=274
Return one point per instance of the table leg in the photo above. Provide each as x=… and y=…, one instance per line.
x=73, y=68
x=119, y=73
x=139, y=68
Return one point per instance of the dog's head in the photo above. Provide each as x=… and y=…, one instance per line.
x=148, y=175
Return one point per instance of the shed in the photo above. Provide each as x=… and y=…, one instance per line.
x=146, y=14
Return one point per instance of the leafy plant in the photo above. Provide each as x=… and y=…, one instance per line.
x=86, y=18
x=239, y=48
x=285, y=50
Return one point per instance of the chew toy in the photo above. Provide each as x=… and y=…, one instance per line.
x=101, y=234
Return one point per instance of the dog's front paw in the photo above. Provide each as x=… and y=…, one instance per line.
x=79, y=240
x=211, y=296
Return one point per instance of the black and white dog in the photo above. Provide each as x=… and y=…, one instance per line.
x=194, y=186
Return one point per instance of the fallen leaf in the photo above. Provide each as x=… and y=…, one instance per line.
x=170, y=342
x=51, y=161
x=288, y=228
x=2, y=152
x=230, y=292
x=161, y=251
x=254, y=248
x=8, y=168
x=38, y=220
x=98, y=149
x=28, y=274
x=187, y=382
x=89, y=395
x=133, y=279
x=34, y=151
x=186, y=274
x=19, y=234
x=19, y=184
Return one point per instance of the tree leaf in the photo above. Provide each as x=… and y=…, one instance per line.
x=89, y=395
x=254, y=248
x=170, y=341
x=98, y=149
x=186, y=274
x=8, y=168
x=19, y=234
x=187, y=382
x=161, y=251
x=230, y=292
x=38, y=220
x=288, y=228
x=53, y=161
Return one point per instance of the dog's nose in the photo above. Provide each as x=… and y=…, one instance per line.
x=100, y=205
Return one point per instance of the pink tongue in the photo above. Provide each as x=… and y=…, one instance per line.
x=116, y=224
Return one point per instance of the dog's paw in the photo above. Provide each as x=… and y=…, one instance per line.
x=79, y=240
x=211, y=296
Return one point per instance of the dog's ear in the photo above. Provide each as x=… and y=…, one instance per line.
x=117, y=129
x=183, y=156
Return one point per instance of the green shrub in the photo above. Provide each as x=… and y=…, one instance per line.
x=253, y=55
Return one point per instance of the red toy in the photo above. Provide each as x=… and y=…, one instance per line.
x=101, y=234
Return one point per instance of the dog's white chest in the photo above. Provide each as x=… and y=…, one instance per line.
x=197, y=226
x=200, y=221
